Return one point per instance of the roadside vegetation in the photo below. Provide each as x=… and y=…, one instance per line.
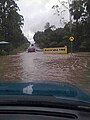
x=20, y=49
x=11, y=23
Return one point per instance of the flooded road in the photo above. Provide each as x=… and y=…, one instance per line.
x=39, y=67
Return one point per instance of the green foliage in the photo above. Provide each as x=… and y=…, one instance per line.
x=80, y=10
x=77, y=9
x=48, y=26
x=52, y=38
x=10, y=23
x=20, y=49
x=60, y=37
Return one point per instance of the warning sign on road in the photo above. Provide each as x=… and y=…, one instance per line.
x=71, y=38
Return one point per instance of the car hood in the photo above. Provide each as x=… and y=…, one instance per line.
x=58, y=90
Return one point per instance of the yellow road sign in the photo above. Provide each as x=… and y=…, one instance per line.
x=71, y=38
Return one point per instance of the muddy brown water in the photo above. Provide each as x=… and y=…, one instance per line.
x=39, y=67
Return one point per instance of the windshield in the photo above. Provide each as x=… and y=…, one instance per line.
x=45, y=41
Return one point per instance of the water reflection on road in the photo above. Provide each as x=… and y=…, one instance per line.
x=47, y=67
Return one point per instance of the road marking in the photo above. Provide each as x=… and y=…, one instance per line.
x=28, y=89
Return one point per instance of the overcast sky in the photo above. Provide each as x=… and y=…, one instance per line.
x=37, y=12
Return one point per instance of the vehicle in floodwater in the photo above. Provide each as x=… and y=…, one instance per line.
x=31, y=48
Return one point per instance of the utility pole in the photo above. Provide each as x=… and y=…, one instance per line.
x=69, y=2
x=71, y=38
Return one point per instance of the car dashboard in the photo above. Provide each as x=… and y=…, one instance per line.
x=41, y=113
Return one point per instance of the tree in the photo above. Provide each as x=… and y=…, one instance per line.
x=51, y=38
x=11, y=22
x=80, y=10
x=77, y=9
x=80, y=29
x=48, y=26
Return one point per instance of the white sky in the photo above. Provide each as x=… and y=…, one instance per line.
x=36, y=13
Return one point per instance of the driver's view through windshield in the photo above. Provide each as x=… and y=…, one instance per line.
x=45, y=51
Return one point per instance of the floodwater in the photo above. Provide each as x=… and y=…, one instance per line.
x=39, y=67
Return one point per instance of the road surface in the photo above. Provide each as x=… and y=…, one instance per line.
x=39, y=67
